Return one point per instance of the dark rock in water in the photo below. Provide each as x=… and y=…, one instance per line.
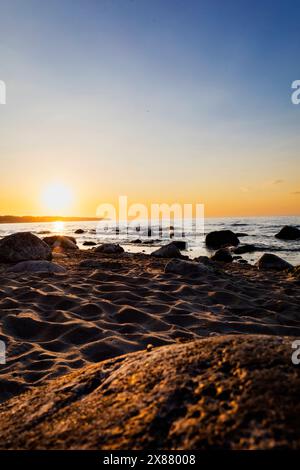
x=223, y=254
x=43, y=232
x=186, y=268
x=242, y=234
x=288, y=233
x=239, y=250
x=61, y=242
x=221, y=238
x=136, y=242
x=180, y=244
x=37, y=267
x=167, y=251
x=23, y=246
x=233, y=392
x=109, y=249
x=88, y=243
x=79, y=231
x=270, y=261
x=243, y=261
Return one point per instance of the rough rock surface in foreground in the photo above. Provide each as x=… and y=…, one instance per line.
x=239, y=392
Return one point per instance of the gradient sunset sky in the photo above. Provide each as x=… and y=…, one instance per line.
x=161, y=100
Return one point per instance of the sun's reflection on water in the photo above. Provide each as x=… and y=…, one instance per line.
x=58, y=226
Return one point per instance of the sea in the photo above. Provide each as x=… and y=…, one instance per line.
x=259, y=231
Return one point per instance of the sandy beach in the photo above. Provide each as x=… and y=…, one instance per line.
x=104, y=306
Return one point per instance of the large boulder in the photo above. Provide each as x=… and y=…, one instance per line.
x=37, y=267
x=61, y=242
x=288, y=233
x=232, y=392
x=167, y=251
x=221, y=238
x=270, y=261
x=186, y=268
x=23, y=246
x=223, y=254
x=109, y=249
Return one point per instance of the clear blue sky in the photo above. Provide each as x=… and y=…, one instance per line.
x=162, y=100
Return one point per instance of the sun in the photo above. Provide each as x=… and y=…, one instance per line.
x=57, y=198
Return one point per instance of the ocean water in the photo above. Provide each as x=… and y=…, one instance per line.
x=260, y=232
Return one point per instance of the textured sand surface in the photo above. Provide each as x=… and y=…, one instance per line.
x=108, y=305
x=236, y=392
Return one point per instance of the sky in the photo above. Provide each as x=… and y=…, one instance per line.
x=164, y=101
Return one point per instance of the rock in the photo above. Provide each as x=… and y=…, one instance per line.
x=23, y=246
x=239, y=250
x=79, y=231
x=243, y=261
x=234, y=392
x=180, y=244
x=136, y=242
x=223, y=254
x=270, y=261
x=288, y=233
x=61, y=242
x=37, y=267
x=167, y=251
x=109, y=248
x=296, y=272
x=87, y=243
x=242, y=234
x=186, y=268
x=221, y=238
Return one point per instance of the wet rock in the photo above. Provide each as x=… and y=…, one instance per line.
x=270, y=261
x=61, y=242
x=88, y=243
x=288, y=233
x=23, y=246
x=221, y=238
x=167, y=251
x=223, y=254
x=79, y=231
x=180, y=244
